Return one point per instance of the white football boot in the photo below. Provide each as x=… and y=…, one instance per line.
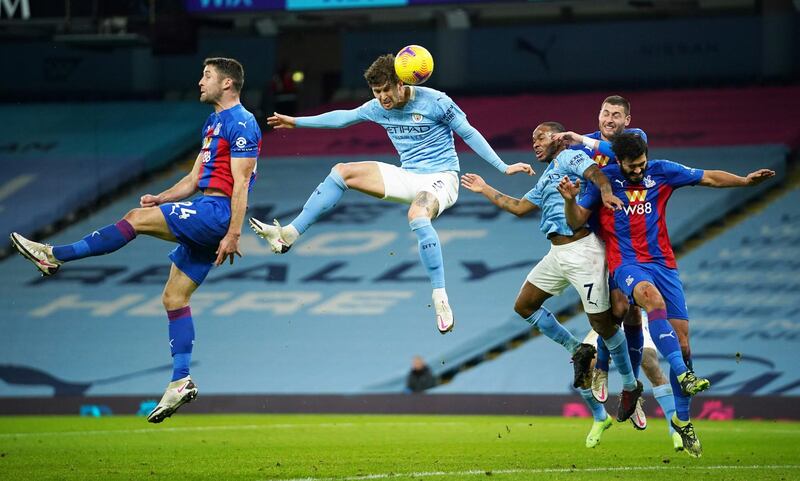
x=600, y=385
x=272, y=234
x=638, y=418
x=40, y=254
x=177, y=394
x=444, y=315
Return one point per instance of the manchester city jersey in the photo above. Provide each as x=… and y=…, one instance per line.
x=545, y=194
x=421, y=131
x=638, y=232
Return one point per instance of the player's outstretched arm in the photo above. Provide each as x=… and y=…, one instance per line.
x=518, y=207
x=241, y=169
x=720, y=178
x=184, y=188
x=571, y=138
x=598, y=178
x=480, y=146
x=575, y=214
x=335, y=119
x=280, y=121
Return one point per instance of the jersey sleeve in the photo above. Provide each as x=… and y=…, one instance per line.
x=578, y=162
x=534, y=196
x=449, y=113
x=335, y=119
x=590, y=197
x=641, y=133
x=679, y=175
x=244, y=140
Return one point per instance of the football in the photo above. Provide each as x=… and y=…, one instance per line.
x=413, y=64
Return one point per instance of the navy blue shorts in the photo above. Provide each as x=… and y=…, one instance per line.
x=199, y=225
x=665, y=279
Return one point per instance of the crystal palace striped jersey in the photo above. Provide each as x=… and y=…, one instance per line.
x=230, y=133
x=638, y=233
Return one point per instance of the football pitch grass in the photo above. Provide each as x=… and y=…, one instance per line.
x=376, y=447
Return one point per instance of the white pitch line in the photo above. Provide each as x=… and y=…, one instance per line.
x=431, y=474
x=156, y=430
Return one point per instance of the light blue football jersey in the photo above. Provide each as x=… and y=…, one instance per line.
x=572, y=163
x=422, y=131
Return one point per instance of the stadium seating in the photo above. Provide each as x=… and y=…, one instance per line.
x=671, y=118
x=82, y=151
x=343, y=312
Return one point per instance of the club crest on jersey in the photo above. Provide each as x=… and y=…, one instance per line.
x=648, y=182
x=217, y=128
x=417, y=117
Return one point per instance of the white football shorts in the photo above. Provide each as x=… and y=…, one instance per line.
x=403, y=186
x=581, y=264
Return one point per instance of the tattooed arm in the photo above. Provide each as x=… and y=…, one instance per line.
x=595, y=176
x=518, y=207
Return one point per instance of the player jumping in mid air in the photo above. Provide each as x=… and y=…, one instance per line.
x=615, y=118
x=640, y=256
x=420, y=123
x=576, y=258
x=206, y=228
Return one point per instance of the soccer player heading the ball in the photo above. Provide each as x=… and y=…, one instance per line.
x=420, y=123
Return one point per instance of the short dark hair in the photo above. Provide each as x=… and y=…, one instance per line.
x=618, y=100
x=381, y=71
x=554, y=127
x=229, y=68
x=628, y=146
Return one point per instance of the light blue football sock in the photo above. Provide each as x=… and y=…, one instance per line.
x=598, y=410
x=324, y=198
x=547, y=324
x=665, y=399
x=618, y=348
x=430, y=250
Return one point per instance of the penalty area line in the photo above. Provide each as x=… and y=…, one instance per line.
x=433, y=474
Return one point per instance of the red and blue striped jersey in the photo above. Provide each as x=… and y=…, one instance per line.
x=638, y=233
x=235, y=133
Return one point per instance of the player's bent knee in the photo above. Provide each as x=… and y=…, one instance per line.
x=603, y=324
x=648, y=297
x=346, y=171
x=172, y=301
x=524, y=309
x=136, y=217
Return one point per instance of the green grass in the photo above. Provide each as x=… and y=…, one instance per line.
x=317, y=447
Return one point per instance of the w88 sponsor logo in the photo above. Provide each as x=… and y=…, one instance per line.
x=638, y=209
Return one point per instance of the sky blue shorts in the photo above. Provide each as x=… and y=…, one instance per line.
x=199, y=225
x=665, y=279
